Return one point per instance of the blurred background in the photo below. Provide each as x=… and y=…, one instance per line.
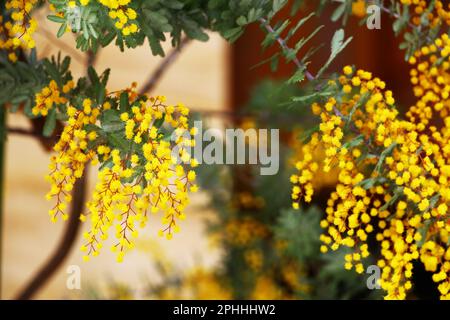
x=241, y=239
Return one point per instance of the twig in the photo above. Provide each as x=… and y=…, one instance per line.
x=411, y=25
x=164, y=65
x=23, y=132
x=91, y=58
x=285, y=47
x=396, y=16
x=2, y=177
x=54, y=41
x=65, y=245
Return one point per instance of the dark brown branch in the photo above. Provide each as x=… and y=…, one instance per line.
x=91, y=58
x=37, y=125
x=47, y=143
x=23, y=132
x=164, y=65
x=66, y=244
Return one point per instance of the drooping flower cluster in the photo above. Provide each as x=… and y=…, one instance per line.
x=18, y=31
x=23, y=25
x=142, y=180
x=303, y=186
x=6, y=42
x=72, y=155
x=306, y=167
x=393, y=174
x=429, y=77
x=143, y=168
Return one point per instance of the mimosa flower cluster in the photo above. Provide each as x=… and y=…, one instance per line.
x=435, y=13
x=394, y=173
x=321, y=179
x=51, y=96
x=18, y=31
x=120, y=11
x=123, y=15
x=139, y=166
x=72, y=156
x=23, y=25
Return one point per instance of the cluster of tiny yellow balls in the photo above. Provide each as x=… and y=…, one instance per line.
x=119, y=10
x=50, y=96
x=435, y=14
x=439, y=11
x=153, y=176
x=72, y=156
x=359, y=8
x=17, y=33
x=162, y=186
x=123, y=15
x=405, y=207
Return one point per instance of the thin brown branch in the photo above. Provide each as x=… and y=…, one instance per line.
x=23, y=132
x=62, y=45
x=37, y=126
x=91, y=58
x=156, y=76
x=47, y=143
x=65, y=245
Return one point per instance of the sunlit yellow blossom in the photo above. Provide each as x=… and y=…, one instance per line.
x=49, y=97
x=401, y=188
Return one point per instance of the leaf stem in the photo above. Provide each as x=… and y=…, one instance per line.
x=285, y=47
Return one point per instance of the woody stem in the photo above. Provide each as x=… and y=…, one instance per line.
x=2, y=162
